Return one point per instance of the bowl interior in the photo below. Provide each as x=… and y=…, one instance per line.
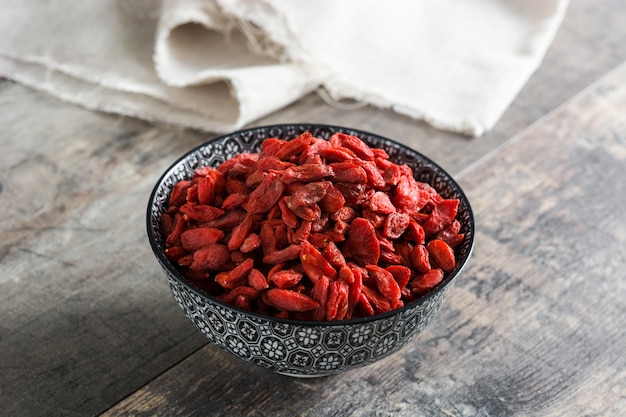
x=220, y=149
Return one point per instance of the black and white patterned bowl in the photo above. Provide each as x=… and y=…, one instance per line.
x=299, y=348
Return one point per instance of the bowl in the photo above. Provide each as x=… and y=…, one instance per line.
x=292, y=347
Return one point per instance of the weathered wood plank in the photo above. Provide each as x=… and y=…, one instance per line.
x=534, y=327
x=78, y=284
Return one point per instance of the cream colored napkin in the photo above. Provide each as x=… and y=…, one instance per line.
x=219, y=64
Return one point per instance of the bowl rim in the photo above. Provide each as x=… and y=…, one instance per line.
x=180, y=278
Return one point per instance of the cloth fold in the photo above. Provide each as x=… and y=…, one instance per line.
x=217, y=65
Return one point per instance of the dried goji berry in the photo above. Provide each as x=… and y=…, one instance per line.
x=250, y=243
x=451, y=234
x=269, y=243
x=356, y=145
x=210, y=258
x=365, y=306
x=242, y=161
x=287, y=215
x=265, y=196
x=201, y=213
x=354, y=292
x=314, y=263
x=192, y=239
x=401, y=274
x=257, y=280
x=173, y=239
x=233, y=201
x=333, y=201
x=385, y=282
x=270, y=162
x=441, y=254
x=363, y=243
x=319, y=293
x=420, y=259
x=308, y=194
x=254, y=179
x=240, y=232
x=321, y=224
x=427, y=281
x=389, y=257
x=395, y=225
x=341, y=227
x=334, y=255
x=238, y=256
x=381, y=203
x=294, y=146
x=175, y=253
x=391, y=171
x=333, y=154
x=286, y=278
x=306, y=173
x=303, y=232
x=235, y=186
x=206, y=190
x=178, y=196
x=310, y=213
x=227, y=221
x=415, y=233
x=229, y=279
x=409, y=196
x=291, y=252
x=376, y=300
x=337, y=303
x=377, y=219
x=349, y=172
x=288, y=300
x=442, y=215
x=270, y=146
x=345, y=214
x=240, y=291
x=374, y=176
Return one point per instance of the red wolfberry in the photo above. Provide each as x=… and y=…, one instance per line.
x=427, y=281
x=178, y=196
x=201, y=213
x=385, y=282
x=420, y=259
x=250, y=243
x=288, y=300
x=286, y=278
x=442, y=215
x=356, y=145
x=257, y=280
x=319, y=293
x=230, y=279
x=192, y=239
x=291, y=252
x=395, y=225
x=263, y=198
x=314, y=263
x=210, y=258
x=362, y=241
x=442, y=254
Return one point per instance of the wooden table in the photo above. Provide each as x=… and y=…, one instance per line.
x=534, y=326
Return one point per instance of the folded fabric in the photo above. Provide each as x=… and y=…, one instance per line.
x=219, y=64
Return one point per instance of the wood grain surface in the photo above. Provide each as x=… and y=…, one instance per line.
x=535, y=326
x=87, y=320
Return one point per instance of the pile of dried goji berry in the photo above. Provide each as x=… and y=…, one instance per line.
x=311, y=229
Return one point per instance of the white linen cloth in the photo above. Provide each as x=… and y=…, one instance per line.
x=219, y=64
